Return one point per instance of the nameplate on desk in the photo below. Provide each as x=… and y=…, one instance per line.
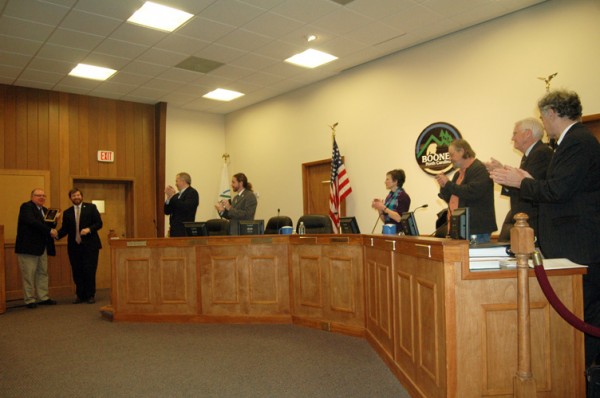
x=340, y=240
x=261, y=241
x=136, y=243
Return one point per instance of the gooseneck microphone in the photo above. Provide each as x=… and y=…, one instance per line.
x=421, y=207
x=277, y=223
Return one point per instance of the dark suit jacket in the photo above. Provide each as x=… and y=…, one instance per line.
x=569, y=199
x=33, y=233
x=89, y=217
x=536, y=164
x=477, y=193
x=243, y=206
x=182, y=208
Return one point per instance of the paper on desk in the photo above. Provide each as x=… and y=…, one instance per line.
x=549, y=263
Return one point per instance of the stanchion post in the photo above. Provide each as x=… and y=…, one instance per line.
x=522, y=244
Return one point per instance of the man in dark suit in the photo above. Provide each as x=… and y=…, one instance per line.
x=242, y=206
x=569, y=198
x=34, y=243
x=181, y=206
x=526, y=139
x=470, y=187
x=82, y=222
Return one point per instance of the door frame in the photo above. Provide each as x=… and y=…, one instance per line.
x=305, y=185
x=129, y=193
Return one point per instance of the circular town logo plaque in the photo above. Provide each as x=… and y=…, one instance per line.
x=431, y=150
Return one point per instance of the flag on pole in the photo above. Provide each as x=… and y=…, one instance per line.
x=339, y=186
x=224, y=190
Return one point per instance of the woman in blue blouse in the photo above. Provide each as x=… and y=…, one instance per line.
x=396, y=202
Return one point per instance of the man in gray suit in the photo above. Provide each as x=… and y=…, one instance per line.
x=568, y=198
x=242, y=206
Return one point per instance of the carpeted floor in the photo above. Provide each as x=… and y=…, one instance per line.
x=70, y=351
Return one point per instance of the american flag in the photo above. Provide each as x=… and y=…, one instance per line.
x=339, y=186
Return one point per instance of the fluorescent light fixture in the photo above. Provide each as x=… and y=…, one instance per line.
x=221, y=94
x=311, y=58
x=92, y=72
x=159, y=17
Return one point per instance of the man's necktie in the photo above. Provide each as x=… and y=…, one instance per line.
x=523, y=159
x=77, y=234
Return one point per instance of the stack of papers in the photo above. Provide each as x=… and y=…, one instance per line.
x=488, y=255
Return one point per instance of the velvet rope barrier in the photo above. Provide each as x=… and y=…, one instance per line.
x=555, y=302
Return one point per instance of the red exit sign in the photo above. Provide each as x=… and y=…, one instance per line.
x=106, y=156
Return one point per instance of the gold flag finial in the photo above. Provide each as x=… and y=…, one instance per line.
x=225, y=157
x=333, y=129
x=547, y=80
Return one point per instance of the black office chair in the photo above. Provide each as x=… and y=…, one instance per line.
x=316, y=224
x=277, y=222
x=217, y=226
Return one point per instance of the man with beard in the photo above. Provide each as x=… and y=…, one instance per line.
x=82, y=222
x=242, y=206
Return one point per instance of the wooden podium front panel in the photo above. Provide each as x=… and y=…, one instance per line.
x=487, y=338
x=328, y=284
x=244, y=280
x=420, y=331
x=379, y=298
x=155, y=280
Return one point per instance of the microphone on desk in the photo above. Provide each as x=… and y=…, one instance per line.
x=421, y=207
x=277, y=223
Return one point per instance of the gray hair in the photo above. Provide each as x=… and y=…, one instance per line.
x=531, y=123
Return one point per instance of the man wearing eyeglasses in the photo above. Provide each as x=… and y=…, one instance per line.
x=35, y=242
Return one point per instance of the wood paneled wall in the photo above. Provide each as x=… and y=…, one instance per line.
x=61, y=132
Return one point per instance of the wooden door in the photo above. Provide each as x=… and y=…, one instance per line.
x=315, y=187
x=116, y=217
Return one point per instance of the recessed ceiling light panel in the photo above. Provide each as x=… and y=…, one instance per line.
x=222, y=94
x=159, y=17
x=92, y=72
x=311, y=58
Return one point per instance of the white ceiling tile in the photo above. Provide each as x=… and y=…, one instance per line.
x=90, y=23
x=121, y=9
x=254, y=61
x=120, y=48
x=9, y=73
x=51, y=65
x=231, y=72
x=14, y=60
x=18, y=45
x=34, y=84
x=40, y=76
x=138, y=34
x=179, y=75
x=106, y=61
x=205, y=29
x=74, y=39
x=144, y=69
x=162, y=57
x=36, y=11
x=231, y=12
x=16, y=27
x=306, y=10
x=272, y=25
x=219, y=53
x=244, y=40
x=374, y=33
x=43, y=39
x=341, y=21
x=181, y=44
x=61, y=53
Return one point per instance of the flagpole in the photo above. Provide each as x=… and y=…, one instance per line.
x=332, y=127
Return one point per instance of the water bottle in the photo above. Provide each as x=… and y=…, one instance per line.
x=301, y=229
